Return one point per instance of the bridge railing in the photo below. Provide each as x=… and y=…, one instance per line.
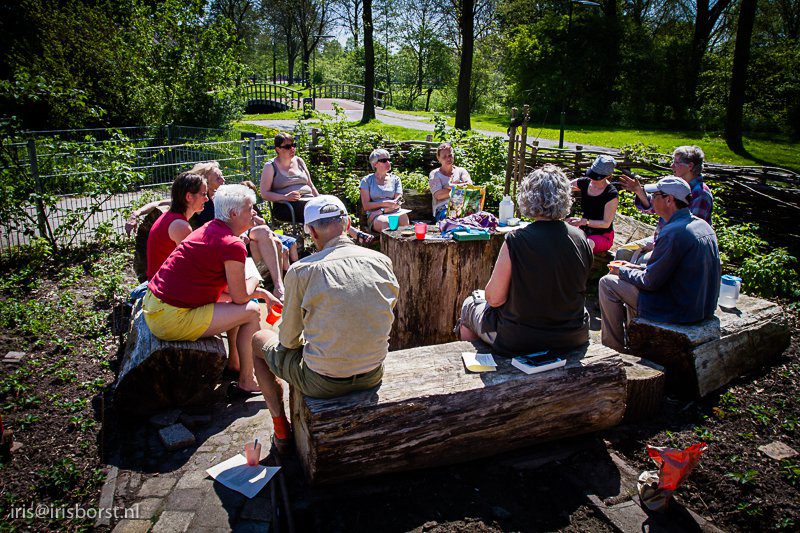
x=270, y=92
x=350, y=92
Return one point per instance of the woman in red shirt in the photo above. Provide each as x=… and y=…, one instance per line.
x=189, y=194
x=182, y=298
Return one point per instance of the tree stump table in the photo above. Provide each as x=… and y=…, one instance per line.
x=435, y=276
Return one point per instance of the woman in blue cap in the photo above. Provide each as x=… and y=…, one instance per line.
x=599, y=201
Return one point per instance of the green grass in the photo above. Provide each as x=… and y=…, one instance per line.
x=397, y=133
x=289, y=114
x=770, y=150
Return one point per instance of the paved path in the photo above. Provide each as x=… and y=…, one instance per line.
x=353, y=111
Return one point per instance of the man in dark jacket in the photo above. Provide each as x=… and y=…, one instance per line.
x=680, y=283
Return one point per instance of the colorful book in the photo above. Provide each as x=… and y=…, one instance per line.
x=479, y=362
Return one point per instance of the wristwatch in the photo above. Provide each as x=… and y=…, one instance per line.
x=383, y=210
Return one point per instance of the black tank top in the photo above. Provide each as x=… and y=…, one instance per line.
x=594, y=207
x=550, y=265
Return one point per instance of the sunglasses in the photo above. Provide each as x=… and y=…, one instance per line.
x=287, y=146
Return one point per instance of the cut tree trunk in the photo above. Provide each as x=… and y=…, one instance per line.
x=420, y=204
x=700, y=358
x=435, y=277
x=157, y=375
x=645, y=388
x=430, y=411
x=142, y=232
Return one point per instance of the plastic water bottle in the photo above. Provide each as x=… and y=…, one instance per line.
x=506, y=210
x=729, y=291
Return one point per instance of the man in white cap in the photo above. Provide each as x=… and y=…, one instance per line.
x=680, y=283
x=337, y=315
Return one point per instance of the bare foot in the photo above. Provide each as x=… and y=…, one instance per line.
x=249, y=385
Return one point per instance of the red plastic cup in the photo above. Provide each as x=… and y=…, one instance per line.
x=420, y=228
x=252, y=453
x=274, y=314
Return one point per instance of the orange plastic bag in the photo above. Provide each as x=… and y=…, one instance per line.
x=674, y=466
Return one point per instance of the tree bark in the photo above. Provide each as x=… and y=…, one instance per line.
x=157, y=375
x=700, y=358
x=706, y=17
x=430, y=411
x=644, y=389
x=741, y=60
x=435, y=277
x=369, y=64
x=466, y=24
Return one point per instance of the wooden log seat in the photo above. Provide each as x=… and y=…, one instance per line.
x=156, y=375
x=700, y=358
x=644, y=388
x=430, y=411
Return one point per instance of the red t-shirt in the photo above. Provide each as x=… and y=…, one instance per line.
x=194, y=274
x=159, y=243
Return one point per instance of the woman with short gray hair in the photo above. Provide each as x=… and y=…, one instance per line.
x=536, y=295
x=381, y=192
x=185, y=300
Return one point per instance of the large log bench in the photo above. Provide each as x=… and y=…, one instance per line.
x=156, y=375
x=430, y=411
x=700, y=358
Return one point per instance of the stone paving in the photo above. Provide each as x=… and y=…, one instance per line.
x=171, y=488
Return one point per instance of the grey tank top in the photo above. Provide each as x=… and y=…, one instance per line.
x=286, y=183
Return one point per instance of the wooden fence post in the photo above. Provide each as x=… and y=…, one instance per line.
x=578, y=158
x=41, y=218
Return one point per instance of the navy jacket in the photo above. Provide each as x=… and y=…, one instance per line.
x=681, y=282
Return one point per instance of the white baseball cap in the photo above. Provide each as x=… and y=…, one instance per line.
x=323, y=206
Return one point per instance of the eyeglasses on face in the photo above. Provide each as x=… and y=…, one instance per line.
x=660, y=194
x=384, y=160
x=287, y=146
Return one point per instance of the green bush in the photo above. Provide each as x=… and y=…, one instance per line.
x=770, y=274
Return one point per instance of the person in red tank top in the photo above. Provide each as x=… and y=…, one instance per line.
x=189, y=194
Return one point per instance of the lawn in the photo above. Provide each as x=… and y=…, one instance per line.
x=394, y=132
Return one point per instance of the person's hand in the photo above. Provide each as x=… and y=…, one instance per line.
x=131, y=223
x=577, y=222
x=630, y=183
x=268, y=297
x=259, y=221
x=292, y=196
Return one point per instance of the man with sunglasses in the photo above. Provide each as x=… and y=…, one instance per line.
x=680, y=283
x=337, y=315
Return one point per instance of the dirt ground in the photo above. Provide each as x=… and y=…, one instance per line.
x=53, y=399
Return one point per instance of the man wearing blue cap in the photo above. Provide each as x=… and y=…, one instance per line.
x=337, y=315
x=680, y=283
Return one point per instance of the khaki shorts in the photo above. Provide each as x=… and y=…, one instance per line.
x=472, y=311
x=170, y=323
x=288, y=364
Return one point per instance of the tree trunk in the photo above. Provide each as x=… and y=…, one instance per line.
x=466, y=23
x=435, y=277
x=644, y=389
x=741, y=59
x=429, y=411
x=700, y=358
x=369, y=65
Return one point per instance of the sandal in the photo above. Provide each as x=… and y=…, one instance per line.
x=364, y=238
x=235, y=392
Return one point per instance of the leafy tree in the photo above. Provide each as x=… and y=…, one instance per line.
x=369, y=65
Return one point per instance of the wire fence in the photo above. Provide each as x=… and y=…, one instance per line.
x=74, y=176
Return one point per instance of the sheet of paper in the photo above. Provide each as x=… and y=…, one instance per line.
x=235, y=474
x=479, y=362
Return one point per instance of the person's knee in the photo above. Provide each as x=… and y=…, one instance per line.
x=259, y=233
x=261, y=338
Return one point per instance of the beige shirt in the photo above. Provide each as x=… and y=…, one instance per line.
x=339, y=306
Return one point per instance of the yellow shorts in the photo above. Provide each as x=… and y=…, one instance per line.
x=170, y=323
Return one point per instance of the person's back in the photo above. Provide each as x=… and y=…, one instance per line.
x=347, y=294
x=551, y=262
x=159, y=243
x=682, y=277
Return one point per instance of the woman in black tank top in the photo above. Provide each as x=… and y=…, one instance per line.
x=599, y=201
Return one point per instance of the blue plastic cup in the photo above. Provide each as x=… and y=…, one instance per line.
x=394, y=221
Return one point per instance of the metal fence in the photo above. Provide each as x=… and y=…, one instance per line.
x=62, y=166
